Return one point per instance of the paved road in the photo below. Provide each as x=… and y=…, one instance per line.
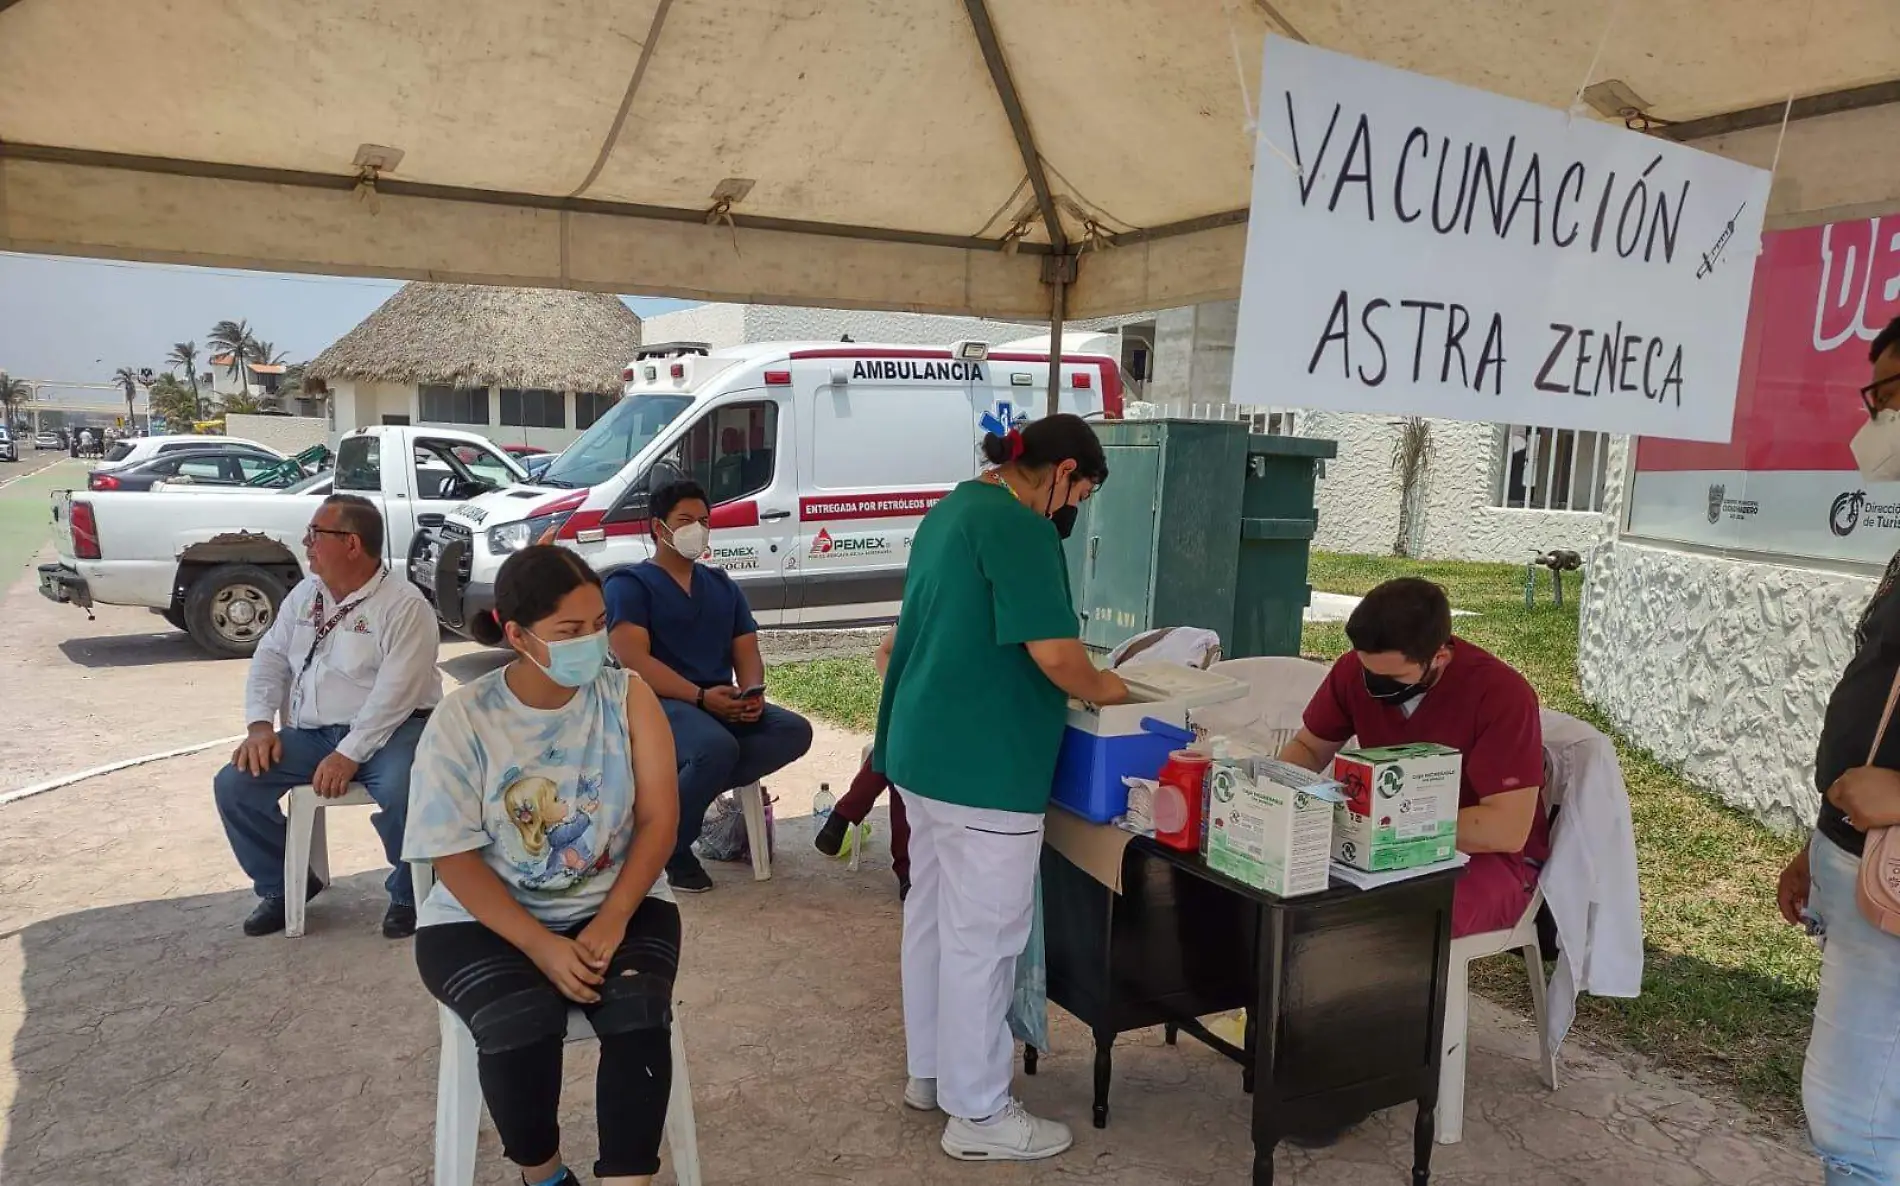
x=25, y=521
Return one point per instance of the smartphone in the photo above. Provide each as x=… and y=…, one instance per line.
x=755, y=692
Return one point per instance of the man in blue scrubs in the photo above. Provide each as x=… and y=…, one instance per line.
x=685, y=628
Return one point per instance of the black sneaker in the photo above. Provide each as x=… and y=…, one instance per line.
x=903, y=888
x=689, y=878
x=399, y=921
x=830, y=838
x=268, y=917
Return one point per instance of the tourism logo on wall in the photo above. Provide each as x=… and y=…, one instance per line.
x=1716, y=494
x=1853, y=510
x=1844, y=516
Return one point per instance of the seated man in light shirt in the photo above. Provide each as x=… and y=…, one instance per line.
x=350, y=664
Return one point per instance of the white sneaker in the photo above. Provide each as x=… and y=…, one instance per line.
x=1010, y=1135
x=921, y=1094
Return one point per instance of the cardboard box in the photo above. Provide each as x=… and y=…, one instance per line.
x=1271, y=826
x=1401, y=807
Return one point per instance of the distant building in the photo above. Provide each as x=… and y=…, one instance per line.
x=519, y=365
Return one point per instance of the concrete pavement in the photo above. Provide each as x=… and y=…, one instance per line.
x=144, y=1039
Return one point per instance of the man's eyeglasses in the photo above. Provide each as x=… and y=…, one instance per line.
x=310, y=534
x=1874, y=394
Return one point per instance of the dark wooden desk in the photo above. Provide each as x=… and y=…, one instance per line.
x=1344, y=990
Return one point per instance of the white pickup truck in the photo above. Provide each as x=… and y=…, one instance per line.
x=218, y=568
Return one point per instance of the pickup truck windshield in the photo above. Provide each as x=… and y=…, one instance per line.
x=614, y=440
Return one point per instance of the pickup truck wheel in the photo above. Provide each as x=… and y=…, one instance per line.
x=229, y=608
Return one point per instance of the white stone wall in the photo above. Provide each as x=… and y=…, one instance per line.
x=286, y=434
x=1359, y=496
x=719, y=326
x=1719, y=667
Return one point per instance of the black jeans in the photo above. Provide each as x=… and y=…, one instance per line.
x=519, y=1020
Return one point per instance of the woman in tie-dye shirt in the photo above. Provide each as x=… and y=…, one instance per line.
x=545, y=795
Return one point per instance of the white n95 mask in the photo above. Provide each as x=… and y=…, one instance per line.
x=690, y=541
x=1876, y=448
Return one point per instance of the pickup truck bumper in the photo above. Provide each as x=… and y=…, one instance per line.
x=65, y=586
x=439, y=567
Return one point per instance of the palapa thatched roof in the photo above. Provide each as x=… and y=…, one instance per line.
x=478, y=335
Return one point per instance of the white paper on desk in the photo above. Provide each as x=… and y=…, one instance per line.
x=1360, y=879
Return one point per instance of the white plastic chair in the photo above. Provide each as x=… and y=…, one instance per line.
x=1450, y=1119
x=306, y=848
x=458, y=1088
x=752, y=801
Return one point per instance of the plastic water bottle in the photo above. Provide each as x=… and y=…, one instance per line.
x=823, y=802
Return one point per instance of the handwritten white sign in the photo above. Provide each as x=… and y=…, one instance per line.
x=1416, y=247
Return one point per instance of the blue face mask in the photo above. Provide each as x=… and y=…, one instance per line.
x=573, y=662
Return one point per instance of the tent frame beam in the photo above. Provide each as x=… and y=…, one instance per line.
x=211, y=170
x=1018, y=120
x=1856, y=98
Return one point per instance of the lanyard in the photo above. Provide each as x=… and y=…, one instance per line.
x=326, y=626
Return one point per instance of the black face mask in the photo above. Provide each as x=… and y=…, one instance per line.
x=1062, y=516
x=1387, y=690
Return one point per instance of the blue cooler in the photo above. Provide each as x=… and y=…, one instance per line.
x=1102, y=746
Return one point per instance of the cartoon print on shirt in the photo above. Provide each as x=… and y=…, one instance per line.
x=553, y=838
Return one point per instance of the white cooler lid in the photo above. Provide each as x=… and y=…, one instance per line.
x=1187, y=686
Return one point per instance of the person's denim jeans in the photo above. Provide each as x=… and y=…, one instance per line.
x=255, y=824
x=715, y=757
x=1850, y=1085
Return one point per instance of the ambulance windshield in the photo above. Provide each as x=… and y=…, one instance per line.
x=614, y=440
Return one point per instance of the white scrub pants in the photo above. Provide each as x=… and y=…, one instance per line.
x=972, y=899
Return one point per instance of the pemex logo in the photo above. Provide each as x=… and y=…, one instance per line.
x=1391, y=780
x=822, y=544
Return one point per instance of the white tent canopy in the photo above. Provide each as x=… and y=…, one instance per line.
x=858, y=153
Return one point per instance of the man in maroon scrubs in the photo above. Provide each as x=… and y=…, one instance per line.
x=1409, y=679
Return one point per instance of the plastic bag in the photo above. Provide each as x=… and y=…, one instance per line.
x=723, y=837
x=1029, y=1004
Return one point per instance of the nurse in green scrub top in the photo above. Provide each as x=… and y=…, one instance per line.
x=986, y=658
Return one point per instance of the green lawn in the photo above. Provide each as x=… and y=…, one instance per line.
x=26, y=521
x=1728, y=989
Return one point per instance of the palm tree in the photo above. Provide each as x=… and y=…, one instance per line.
x=185, y=354
x=127, y=378
x=13, y=392
x=233, y=340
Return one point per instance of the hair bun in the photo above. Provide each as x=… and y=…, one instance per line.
x=998, y=449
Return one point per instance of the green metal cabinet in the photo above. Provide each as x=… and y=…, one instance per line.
x=1201, y=524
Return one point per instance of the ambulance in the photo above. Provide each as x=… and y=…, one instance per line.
x=819, y=460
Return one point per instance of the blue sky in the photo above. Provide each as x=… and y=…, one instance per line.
x=78, y=320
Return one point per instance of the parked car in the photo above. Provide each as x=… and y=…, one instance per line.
x=319, y=484
x=133, y=450
x=8, y=450
x=523, y=452
x=218, y=564
x=47, y=440
x=213, y=466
